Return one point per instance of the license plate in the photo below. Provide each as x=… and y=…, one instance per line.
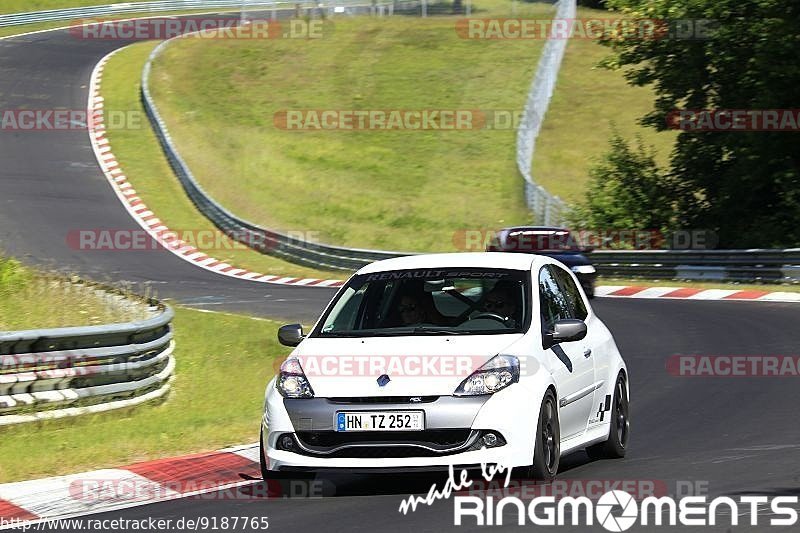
x=380, y=421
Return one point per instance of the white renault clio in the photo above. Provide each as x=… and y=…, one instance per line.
x=464, y=359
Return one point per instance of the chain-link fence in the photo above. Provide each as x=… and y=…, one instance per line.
x=545, y=207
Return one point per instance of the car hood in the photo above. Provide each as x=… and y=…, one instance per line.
x=416, y=366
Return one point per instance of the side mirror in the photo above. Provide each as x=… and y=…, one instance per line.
x=565, y=330
x=290, y=334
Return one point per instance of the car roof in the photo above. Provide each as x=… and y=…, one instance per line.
x=455, y=260
x=551, y=229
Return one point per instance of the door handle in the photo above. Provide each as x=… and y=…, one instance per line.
x=587, y=352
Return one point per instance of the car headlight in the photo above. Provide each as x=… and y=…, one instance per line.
x=497, y=374
x=292, y=381
x=583, y=269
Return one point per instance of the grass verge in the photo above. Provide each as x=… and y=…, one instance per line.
x=31, y=300
x=140, y=156
x=587, y=101
x=402, y=190
x=223, y=364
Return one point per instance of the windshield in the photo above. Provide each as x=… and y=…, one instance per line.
x=466, y=301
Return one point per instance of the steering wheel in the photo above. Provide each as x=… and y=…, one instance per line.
x=491, y=316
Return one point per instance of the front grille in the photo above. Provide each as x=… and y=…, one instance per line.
x=369, y=452
x=374, y=444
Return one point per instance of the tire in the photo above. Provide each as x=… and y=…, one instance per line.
x=620, y=428
x=547, y=448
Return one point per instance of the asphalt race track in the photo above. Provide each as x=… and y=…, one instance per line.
x=50, y=183
x=728, y=436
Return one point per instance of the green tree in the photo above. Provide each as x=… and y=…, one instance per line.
x=743, y=185
x=627, y=191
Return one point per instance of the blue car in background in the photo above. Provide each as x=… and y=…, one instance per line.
x=553, y=242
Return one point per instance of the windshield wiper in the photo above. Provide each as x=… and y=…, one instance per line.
x=395, y=332
x=341, y=334
x=437, y=330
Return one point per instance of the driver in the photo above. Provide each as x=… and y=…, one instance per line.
x=411, y=310
x=501, y=301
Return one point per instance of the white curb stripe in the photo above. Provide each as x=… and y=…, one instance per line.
x=67, y=495
x=712, y=294
x=248, y=451
x=689, y=293
x=653, y=292
x=126, y=194
x=782, y=297
x=605, y=289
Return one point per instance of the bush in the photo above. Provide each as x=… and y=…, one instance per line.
x=626, y=191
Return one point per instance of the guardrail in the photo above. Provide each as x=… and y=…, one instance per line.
x=54, y=373
x=264, y=240
x=546, y=208
x=770, y=266
x=109, y=10
x=123, y=8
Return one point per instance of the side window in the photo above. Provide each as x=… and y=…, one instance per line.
x=553, y=301
x=572, y=292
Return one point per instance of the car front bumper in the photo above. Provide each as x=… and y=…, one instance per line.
x=453, y=435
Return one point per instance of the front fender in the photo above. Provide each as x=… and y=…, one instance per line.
x=514, y=411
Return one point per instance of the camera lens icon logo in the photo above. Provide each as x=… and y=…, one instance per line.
x=619, y=521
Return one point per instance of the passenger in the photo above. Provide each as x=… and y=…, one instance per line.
x=417, y=307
